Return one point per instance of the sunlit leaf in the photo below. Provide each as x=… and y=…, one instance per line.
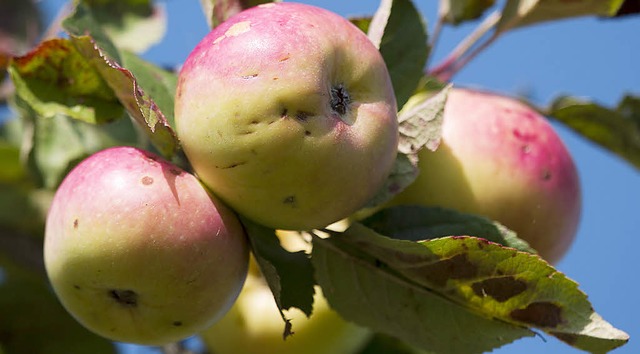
x=615, y=129
x=417, y=223
x=399, y=31
x=519, y=13
x=458, y=11
x=140, y=106
x=56, y=79
x=474, y=280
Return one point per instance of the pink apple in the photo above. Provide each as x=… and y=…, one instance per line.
x=138, y=251
x=501, y=159
x=286, y=111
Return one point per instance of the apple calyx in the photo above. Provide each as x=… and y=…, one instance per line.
x=340, y=100
x=124, y=297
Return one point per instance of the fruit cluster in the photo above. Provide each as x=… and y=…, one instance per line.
x=287, y=115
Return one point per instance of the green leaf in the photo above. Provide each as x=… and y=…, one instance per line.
x=417, y=223
x=157, y=82
x=519, y=13
x=370, y=293
x=83, y=23
x=497, y=283
x=399, y=31
x=362, y=23
x=218, y=11
x=616, y=129
x=34, y=322
x=133, y=25
x=138, y=103
x=383, y=344
x=56, y=79
x=458, y=11
x=289, y=274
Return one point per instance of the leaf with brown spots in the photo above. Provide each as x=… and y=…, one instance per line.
x=497, y=284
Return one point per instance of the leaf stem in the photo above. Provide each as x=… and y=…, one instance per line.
x=456, y=60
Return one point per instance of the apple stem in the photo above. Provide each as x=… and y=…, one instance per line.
x=468, y=48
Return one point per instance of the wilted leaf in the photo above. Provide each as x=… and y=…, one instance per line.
x=519, y=13
x=420, y=122
x=140, y=106
x=367, y=292
x=398, y=30
x=458, y=11
x=55, y=78
x=34, y=322
x=289, y=274
x=616, y=129
x=133, y=25
x=417, y=223
x=218, y=11
x=499, y=284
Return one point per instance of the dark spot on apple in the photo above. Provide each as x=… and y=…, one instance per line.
x=539, y=314
x=290, y=200
x=146, y=180
x=284, y=113
x=177, y=323
x=233, y=165
x=307, y=133
x=77, y=287
x=250, y=76
x=75, y=223
x=124, y=297
x=254, y=122
x=546, y=175
x=340, y=99
x=501, y=288
x=285, y=58
x=303, y=116
x=175, y=171
x=456, y=267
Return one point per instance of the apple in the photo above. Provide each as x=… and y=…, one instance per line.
x=502, y=159
x=138, y=251
x=287, y=112
x=254, y=325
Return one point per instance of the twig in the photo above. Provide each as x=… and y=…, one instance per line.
x=56, y=25
x=433, y=42
x=455, y=61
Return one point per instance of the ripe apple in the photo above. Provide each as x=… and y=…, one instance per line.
x=138, y=251
x=501, y=159
x=254, y=325
x=287, y=112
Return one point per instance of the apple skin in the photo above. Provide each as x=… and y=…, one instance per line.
x=254, y=325
x=138, y=251
x=501, y=159
x=287, y=112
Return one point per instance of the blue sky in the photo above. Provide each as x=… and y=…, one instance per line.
x=585, y=57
